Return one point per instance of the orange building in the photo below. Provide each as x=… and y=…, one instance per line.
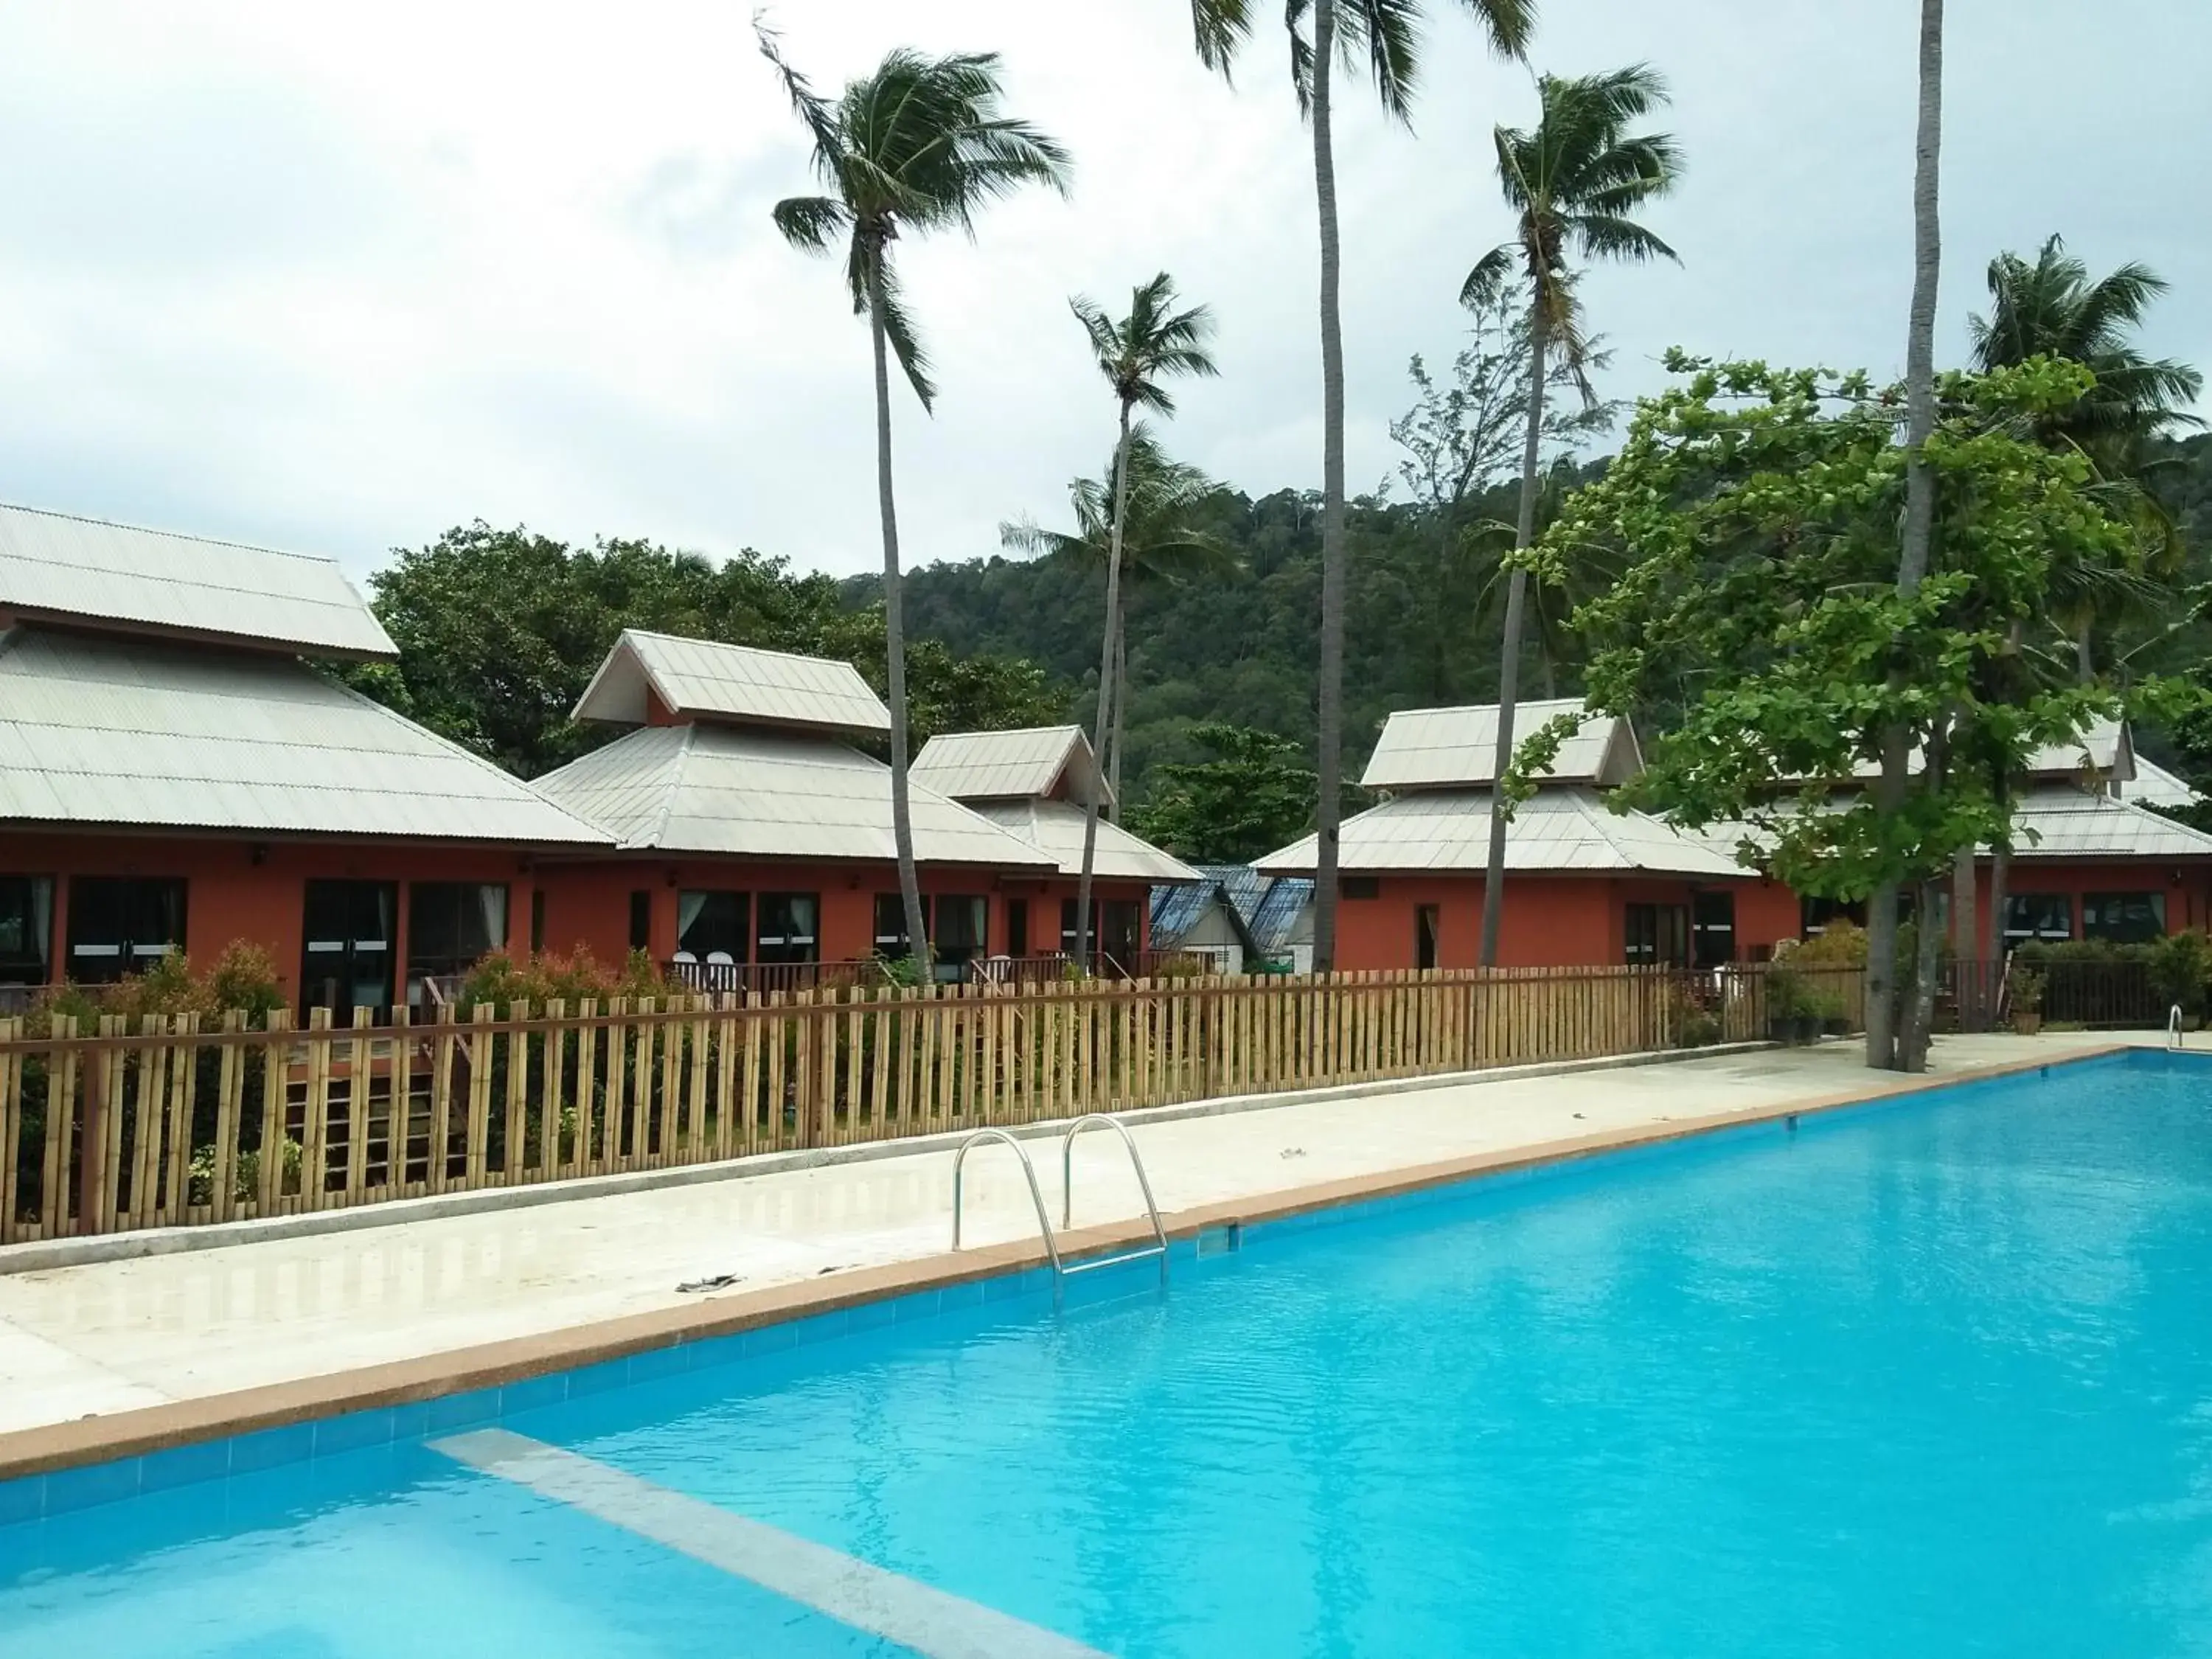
x=1585, y=884
x=754, y=841
x=174, y=775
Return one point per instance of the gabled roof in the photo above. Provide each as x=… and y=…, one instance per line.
x=2154, y=785
x=56, y=569
x=2104, y=752
x=1055, y=829
x=1179, y=907
x=768, y=794
x=1457, y=748
x=701, y=679
x=2056, y=821
x=1038, y=760
x=145, y=733
x=1567, y=830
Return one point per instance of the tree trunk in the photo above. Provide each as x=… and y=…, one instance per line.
x=2085, y=654
x=1920, y=1018
x=1118, y=737
x=1508, y=663
x=1106, y=689
x=1919, y=503
x=1966, y=939
x=917, y=935
x=1329, y=761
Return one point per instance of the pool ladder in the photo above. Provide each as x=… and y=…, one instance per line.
x=2173, y=1028
x=1061, y=1270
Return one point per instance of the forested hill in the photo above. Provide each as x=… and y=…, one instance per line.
x=1243, y=649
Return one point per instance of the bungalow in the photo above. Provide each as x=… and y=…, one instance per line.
x=1586, y=884
x=754, y=840
x=174, y=774
x=1032, y=783
x=1240, y=919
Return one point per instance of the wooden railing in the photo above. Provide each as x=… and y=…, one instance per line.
x=185, y=1121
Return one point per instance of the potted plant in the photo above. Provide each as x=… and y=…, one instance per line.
x=1791, y=1016
x=1829, y=1007
x=2026, y=1001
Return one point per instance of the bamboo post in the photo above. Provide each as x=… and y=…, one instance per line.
x=268, y=1194
x=553, y=1087
x=400, y=1118
x=476, y=1142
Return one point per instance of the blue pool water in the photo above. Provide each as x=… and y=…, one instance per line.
x=1931, y=1378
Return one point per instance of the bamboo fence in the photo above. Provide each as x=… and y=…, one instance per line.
x=189, y=1120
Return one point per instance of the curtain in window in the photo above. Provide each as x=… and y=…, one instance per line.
x=42, y=920
x=491, y=904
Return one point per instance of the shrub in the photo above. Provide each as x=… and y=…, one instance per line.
x=243, y=976
x=1843, y=945
x=502, y=981
x=2180, y=971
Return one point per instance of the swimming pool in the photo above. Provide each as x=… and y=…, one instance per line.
x=1928, y=1378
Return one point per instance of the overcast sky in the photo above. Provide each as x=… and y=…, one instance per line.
x=335, y=276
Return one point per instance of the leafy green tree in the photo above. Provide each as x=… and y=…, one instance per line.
x=1760, y=605
x=1250, y=796
x=499, y=632
x=1573, y=181
x=918, y=146
x=1161, y=540
x=1138, y=354
x=1384, y=35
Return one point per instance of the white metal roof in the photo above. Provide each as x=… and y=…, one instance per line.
x=2154, y=785
x=1037, y=761
x=2104, y=750
x=58, y=568
x=1566, y=831
x=1056, y=828
x=100, y=731
x=1457, y=748
x=767, y=794
x=704, y=679
x=2058, y=822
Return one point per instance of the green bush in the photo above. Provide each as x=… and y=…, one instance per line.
x=502, y=981
x=2181, y=970
x=243, y=976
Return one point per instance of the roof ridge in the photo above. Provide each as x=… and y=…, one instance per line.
x=732, y=645
x=667, y=810
x=176, y=535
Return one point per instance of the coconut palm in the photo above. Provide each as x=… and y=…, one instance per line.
x=1385, y=36
x=1572, y=180
x=917, y=146
x=1891, y=1041
x=1138, y=354
x=2053, y=308
x=1161, y=543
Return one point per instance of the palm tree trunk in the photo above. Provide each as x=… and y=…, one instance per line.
x=1919, y=505
x=2085, y=654
x=1329, y=763
x=1106, y=687
x=894, y=627
x=1120, y=732
x=1508, y=661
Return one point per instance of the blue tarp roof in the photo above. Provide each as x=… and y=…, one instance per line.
x=1267, y=906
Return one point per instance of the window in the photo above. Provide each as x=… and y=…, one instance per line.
x=1425, y=936
x=788, y=923
x=1359, y=887
x=958, y=932
x=2039, y=916
x=1813, y=914
x=713, y=927
x=346, y=962
x=1712, y=929
x=1018, y=927
x=1119, y=932
x=1658, y=935
x=451, y=926
x=891, y=926
x=27, y=929
x=1067, y=926
x=641, y=919
x=2124, y=918
x=119, y=924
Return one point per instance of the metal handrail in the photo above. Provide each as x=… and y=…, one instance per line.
x=1136, y=1159
x=1037, y=1193
x=2173, y=1028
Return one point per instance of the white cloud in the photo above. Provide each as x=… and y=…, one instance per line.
x=340, y=278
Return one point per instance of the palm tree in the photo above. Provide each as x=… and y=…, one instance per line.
x=1137, y=355
x=1573, y=181
x=916, y=147
x=1888, y=1046
x=1161, y=543
x=2051, y=308
x=1386, y=34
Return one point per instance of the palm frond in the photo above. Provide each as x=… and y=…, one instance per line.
x=1218, y=29
x=1302, y=53
x=812, y=107
x=905, y=343
x=1489, y=279
x=811, y=223
x=1388, y=34
x=1028, y=538
x=1510, y=25
x=1601, y=236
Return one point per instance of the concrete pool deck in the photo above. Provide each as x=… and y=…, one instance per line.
x=156, y=1349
